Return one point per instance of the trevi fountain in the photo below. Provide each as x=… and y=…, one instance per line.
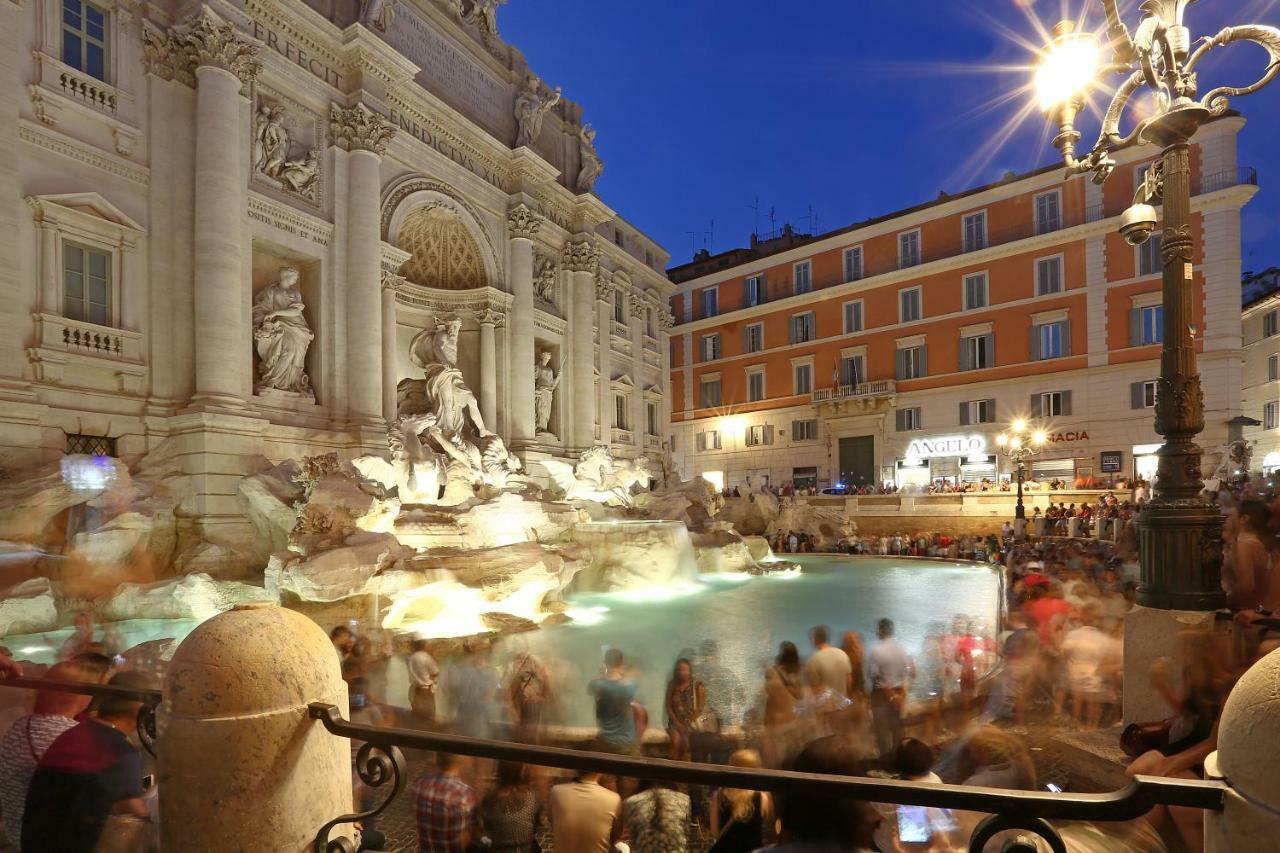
x=445, y=536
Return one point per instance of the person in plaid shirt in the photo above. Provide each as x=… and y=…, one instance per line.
x=445, y=808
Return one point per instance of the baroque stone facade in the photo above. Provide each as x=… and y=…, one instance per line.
x=162, y=183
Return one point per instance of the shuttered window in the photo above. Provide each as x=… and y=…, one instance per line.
x=977, y=352
x=911, y=362
x=1142, y=395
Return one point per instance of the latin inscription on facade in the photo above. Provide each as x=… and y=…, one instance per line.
x=298, y=55
x=451, y=75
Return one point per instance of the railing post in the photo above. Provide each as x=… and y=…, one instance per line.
x=242, y=766
x=1247, y=757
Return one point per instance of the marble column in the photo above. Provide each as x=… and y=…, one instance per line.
x=523, y=224
x=581, y=258
x=363, y=134
x=489, y=320
x=665, y=322
x=604, y=353
x=223, y=64
x=390, y=284
x=639, y=421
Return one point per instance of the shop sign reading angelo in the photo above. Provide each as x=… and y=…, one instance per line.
x=947, y=445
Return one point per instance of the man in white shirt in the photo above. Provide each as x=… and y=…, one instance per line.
x=424, y=672
x=889, y=668
x=829, y=667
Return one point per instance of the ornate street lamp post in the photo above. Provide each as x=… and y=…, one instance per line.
x=1180, y=533
x=1019, y=444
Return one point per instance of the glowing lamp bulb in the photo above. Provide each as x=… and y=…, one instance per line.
x=1015, y=442
x=1002, y=439
x=1019, y=425
x=1040, y=437
x=1067, y=68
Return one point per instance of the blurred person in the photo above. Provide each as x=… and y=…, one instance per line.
x=88, y=775
x=1093, y=660
x=510, y=813
x=784, y=690
x=424, y=676
x=814, y=821
x=30, y=736
x=1246, y=563
x=992, y=758
x=917, y=828
x=851, y=645
x=364, y=711
x=529, y=692
x=585, y=816
x=829, y=666
x=445, y=808
x=890, y=671
x=741, y=820
x=472, y=687
x=344, y=642
x=657, y=818
x=685, y=703
x=81, y=639
x=614, y=693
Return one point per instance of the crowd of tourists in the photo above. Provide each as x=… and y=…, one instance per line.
x=960, y=708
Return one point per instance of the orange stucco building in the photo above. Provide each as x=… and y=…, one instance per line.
x=878, y=351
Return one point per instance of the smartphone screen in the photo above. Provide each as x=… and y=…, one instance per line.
x=913, y=824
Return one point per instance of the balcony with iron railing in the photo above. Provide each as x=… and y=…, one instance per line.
x=876, y=388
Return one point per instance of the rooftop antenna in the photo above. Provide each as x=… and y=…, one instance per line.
x=711, y=238
x=693, y=243
x=755, y=207
x=773, y=219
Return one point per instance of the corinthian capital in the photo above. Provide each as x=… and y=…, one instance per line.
x=359, y=129
x=665, y=318
x=637, y=305
x=604, y=287
x=523, y=221
x=581, y=256
x=208, y=41
x=211, y=41
x=490, y=317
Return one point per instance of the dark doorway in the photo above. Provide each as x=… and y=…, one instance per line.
x=858, y=460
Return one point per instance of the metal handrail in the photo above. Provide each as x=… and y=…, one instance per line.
x=1132, y=801
x=150, y=700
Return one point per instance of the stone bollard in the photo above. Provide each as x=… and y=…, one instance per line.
x=1248, y=760
x=1073, y=527
x=241, y=765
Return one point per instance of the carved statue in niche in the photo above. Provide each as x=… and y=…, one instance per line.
x=544, y=279
x=282, y=336
x=532, y=106
x=271, y=144
x=377, y=14
x=590, y=163
x=442, y=452
x=545, y=381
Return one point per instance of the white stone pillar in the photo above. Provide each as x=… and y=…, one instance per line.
x=223, y=63
x=490, y=320
x=639, y=422
x=364, y=135
x=390, y=284
x=581, y=258
x=604, y=354
x=234, y=721
x=50, y=285
x=665, y=322
x=523, y=224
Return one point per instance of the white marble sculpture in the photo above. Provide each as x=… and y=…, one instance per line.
x=377, y=14
x=532, y=106
x=271, y=145
x=482, y=13
x=544, y=279
x=545, y=381
x=441, y=450
x=282, y=336
x=599, y=477
x=590, y=163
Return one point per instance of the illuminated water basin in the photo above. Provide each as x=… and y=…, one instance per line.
x=749, y=616
x=43, y=647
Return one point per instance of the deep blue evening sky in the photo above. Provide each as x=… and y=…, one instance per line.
x=856, y=107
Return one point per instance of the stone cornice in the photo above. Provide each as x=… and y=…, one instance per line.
x=359, y=129
x=581, y=255
x=490, y=317
x=53, y=141
x=364, y=51
x=523, y=222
